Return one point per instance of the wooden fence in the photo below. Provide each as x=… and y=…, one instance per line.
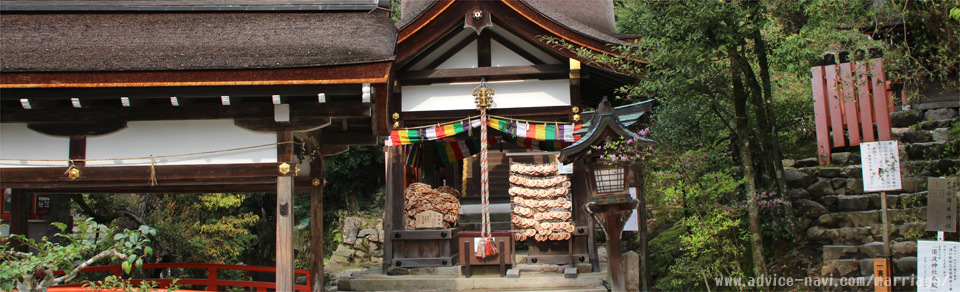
x=852, y=103
x=212, y=282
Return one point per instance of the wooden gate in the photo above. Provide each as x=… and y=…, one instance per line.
x=852, y=102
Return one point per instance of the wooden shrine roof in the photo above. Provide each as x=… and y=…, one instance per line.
x=592, y=18
x=142, y=41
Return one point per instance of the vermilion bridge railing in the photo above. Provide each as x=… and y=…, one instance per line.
x=849, y=100
x=212, y=283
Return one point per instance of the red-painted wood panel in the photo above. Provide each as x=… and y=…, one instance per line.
x=835, y=106
x=848, y=95
x=881, y=101
x=866, y=107
x=822, y=115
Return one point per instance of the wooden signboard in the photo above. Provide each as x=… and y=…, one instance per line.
x=881, y=166
x=429, y=220
x=942, y=204
x=937, y=265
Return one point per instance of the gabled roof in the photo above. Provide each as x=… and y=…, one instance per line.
x=591, y=18
x=605, y=123
x=149, y=41
x=629, y=114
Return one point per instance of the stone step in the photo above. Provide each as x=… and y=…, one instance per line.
x=872, y=217
x=930, y=150
x=863, y=235
x=933, y=167
x=904, y=266
x=869, y=250
x=872, y=201
x=526, y=282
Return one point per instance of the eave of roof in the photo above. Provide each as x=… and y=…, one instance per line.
x=118, y=42
x=191, y=5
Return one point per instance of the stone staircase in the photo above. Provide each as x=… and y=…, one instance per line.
x=838, y=215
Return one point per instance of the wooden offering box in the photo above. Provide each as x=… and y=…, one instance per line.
x=505, y=244
x=425, y=248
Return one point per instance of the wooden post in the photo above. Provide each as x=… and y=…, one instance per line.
x=285, y=233
x=316, y=225
x=581, y=196
x=886, y=225
x=19, y=208
x=613, y=227
x=613, y=216
x=284, y=255
x=393, y=203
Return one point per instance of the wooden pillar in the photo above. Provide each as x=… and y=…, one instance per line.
x=284, y=254
x=428, y=172
x=393, y=205
x=614, y=227
x=19, y=208
x=581, y=196
x=316, y=225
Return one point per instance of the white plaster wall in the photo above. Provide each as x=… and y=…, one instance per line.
x=145, y=138
x=19, y=142
x=507, y=94
x=465, y=58
x=501, y=56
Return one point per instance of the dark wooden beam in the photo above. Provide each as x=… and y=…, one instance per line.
x=483, y=48
x=489, y=73
x=331, y=150
x=516, y=49
x=53, y=176
x=419, y=35
x=344, y=74
x=137, y=94
x=447, y=37
x=77, y=128
x=557, y=113
x=78, y=150
x=269, y=125
x=285, y=151
x=341, y=138
x=192, y=112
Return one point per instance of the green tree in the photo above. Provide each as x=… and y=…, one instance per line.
x=34, y=271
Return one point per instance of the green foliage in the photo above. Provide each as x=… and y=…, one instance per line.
x=75, y=251
x=206, y=228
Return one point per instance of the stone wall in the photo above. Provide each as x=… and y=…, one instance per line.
x=362, y=245
x=846, y=222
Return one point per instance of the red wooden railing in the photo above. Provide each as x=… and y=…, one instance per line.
x=211, y=282
x=849, y=100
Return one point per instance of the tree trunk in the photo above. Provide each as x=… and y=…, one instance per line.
x=774, y=144
x=746, y=160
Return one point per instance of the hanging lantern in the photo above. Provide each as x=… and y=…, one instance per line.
x=609, y=183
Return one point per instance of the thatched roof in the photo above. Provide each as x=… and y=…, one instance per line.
x=591, y=18
x=39, y=42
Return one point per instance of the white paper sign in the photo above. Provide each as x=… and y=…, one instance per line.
x=564, y=168
x=881, y=166
x=631, y=224
x=937, y=268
